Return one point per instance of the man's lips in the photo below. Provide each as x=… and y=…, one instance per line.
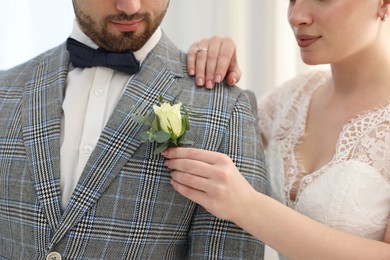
x=127, y=25
x=306, y=40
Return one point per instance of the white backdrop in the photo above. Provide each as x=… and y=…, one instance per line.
x=267, y=51
x=31, y=27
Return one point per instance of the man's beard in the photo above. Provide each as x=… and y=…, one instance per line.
x=126, y=41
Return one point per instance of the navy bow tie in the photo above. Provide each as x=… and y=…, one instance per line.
x=83, y=56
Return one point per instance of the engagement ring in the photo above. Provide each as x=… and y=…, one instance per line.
x=198, y=49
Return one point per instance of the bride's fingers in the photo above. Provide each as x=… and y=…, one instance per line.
x=195, y=154
x=227, y=62
x=191, y=59
x=194, y=167
x=202, y=61
x=214, y=53
x=211, y=60
x=193, y=181
x=197, y=61
x=234, y=72
x=195, y=195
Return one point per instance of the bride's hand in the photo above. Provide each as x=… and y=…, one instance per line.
x=213, y=59
x=210, y=179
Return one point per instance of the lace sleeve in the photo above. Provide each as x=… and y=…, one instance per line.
x=278, y=105
x=266, y=114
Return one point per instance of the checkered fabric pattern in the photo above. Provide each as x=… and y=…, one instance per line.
x=123, y=206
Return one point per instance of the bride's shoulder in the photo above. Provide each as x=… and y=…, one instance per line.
x=301, y=86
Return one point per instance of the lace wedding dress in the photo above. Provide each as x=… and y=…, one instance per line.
x=351, y=192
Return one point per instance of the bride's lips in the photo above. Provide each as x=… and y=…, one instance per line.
x=128, y=26
x=306, y=40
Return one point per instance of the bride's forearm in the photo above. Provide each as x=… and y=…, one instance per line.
x=298, y=237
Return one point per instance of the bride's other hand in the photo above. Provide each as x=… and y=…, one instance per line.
x=212, y=60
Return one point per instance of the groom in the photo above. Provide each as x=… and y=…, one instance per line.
x=76, y=180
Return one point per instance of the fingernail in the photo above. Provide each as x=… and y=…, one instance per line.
x=218, y=78
x=164, y=153
x=234, y=81
x=191, y=72
x=199, y=82
x=209, y=84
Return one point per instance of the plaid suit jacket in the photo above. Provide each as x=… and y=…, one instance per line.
x=123, y=206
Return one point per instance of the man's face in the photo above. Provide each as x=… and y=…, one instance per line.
x=120, y=25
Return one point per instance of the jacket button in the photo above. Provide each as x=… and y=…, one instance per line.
x=53, y=256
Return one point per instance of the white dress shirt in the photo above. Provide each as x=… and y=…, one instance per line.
x=90, y=98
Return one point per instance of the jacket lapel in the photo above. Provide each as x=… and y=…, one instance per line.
x=41, y=125
x=119, y=140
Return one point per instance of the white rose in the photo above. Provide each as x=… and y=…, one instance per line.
x=169, y=118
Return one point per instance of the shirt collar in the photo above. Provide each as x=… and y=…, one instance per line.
x=141, y=54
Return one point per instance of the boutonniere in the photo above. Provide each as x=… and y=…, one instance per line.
x=167, y=125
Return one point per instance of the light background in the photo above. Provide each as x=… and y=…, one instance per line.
x=267, y=51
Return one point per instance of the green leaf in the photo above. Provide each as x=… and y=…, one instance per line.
x=140, y=119
x=186, y=123
x=147, y=136
x=186, y=142
x=154, y=124
x=161, y=137
x=185, y=110
x=161, y=148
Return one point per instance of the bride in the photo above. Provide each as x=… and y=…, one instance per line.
x=327, y=140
